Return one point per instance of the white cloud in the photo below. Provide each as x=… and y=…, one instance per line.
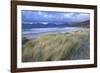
x=45, y=15
x=68, y=15
x=39, y=12
x=45, y=23
x=50, y=16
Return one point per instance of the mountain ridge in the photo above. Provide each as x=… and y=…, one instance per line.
x=54, y=25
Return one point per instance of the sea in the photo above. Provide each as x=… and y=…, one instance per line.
x=36, y=32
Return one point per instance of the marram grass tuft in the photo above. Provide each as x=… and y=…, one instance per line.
x=73, y=45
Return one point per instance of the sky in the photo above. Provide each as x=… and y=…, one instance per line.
x=45, y=17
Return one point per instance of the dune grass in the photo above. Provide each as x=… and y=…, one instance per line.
x=73, y=45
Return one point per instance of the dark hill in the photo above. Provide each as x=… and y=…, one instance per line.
x=53, y=25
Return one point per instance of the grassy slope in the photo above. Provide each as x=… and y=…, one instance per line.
x=59, y=46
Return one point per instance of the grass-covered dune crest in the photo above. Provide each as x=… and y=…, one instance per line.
x=72, y=45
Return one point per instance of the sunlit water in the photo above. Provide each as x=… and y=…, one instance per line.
x=35, y=32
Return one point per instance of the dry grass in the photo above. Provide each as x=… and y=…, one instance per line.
x=71, y=45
